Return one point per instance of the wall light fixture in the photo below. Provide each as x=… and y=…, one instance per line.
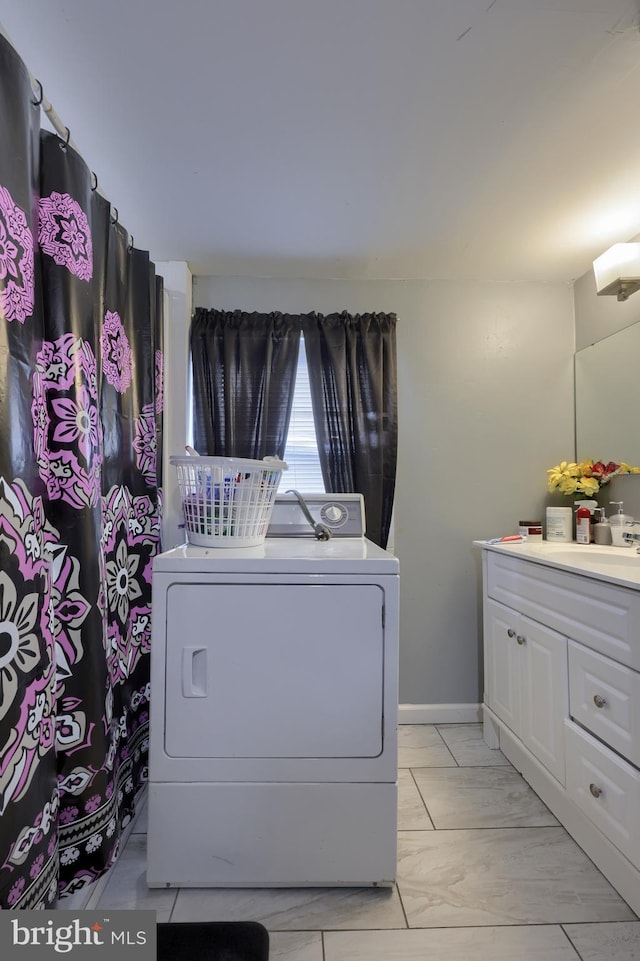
x=617, y=270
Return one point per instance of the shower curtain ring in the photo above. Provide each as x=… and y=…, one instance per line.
x=65, y=144
x=94, y=181
x=36, y=103
x=130, y=247
x=114, y=220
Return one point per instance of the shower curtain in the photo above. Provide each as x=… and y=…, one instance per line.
x=28, y=785
x=80, y=410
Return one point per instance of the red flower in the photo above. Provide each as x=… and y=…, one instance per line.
x=603, y=470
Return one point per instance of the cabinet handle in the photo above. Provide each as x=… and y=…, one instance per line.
x=595, y=790
x=511, y=632
x=599, y=701
x=520, y=639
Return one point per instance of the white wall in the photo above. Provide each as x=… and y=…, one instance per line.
x=177, y=315
x=485, y=406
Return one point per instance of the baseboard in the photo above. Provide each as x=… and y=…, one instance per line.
x=439, y=713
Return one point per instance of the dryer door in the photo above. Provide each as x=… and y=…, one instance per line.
x=274, y=670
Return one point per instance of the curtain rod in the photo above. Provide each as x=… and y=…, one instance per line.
x=42, y=101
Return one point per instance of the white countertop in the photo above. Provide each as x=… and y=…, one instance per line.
x=618, y=565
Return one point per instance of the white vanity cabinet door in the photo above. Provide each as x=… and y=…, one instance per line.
x=545, y=699
x=527, y=686
x=503, y=663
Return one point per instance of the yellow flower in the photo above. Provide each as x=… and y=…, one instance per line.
x=589, y=485
x=564, y=477
x=566, y=485
x=587, y=477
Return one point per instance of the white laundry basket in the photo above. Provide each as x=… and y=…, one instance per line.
x=227, y=501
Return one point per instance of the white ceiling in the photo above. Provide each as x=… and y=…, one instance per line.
x=458, y=139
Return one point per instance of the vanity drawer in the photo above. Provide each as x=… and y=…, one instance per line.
x=603, y=616
x=604, y=697
x=605, y=788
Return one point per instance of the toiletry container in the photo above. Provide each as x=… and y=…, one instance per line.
x=532, y=530
x=589, y=521
x=602, y=528
x=620, y=522
x=559, y=526
x=583, y=525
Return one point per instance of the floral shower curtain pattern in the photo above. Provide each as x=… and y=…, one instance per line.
x=130, y=518
x=68, y=444
x=28, y=788
x=92, y=384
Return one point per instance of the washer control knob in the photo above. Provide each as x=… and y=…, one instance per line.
x=334, y=515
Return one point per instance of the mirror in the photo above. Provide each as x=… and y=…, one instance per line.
x=607, y=379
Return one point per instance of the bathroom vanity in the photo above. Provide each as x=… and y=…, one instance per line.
x=561, y=629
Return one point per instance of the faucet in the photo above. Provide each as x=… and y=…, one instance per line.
x=633, y=536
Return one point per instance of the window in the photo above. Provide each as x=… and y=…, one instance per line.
x=301, y=453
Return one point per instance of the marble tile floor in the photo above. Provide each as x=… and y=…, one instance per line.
x=484, y=871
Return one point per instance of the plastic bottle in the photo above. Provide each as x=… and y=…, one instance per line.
x=583, y=525
x=620, y=522
x=602, y=528
x=559, y=526
x=591, y=506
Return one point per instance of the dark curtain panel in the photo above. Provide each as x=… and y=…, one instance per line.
x=130, y=518
x=244, y=368
x=68, y=441
x=28, y=542
x=353, y=376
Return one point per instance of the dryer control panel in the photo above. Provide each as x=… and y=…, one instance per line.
x=342, y=514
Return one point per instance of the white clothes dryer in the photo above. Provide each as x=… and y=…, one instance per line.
x=273, y=728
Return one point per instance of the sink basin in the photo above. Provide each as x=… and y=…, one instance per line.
x=617, y=564
x=592, y=557
x=588, y=558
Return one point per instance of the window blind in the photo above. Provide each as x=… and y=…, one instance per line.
x=301, y=453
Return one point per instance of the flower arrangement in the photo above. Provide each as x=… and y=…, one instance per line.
x=587, y=477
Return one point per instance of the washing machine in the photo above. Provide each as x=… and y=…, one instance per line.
x=273, y=727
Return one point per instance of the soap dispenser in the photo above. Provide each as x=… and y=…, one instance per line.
x=601, y=528
x=620, y=522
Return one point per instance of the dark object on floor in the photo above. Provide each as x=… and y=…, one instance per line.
x=213, y=941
